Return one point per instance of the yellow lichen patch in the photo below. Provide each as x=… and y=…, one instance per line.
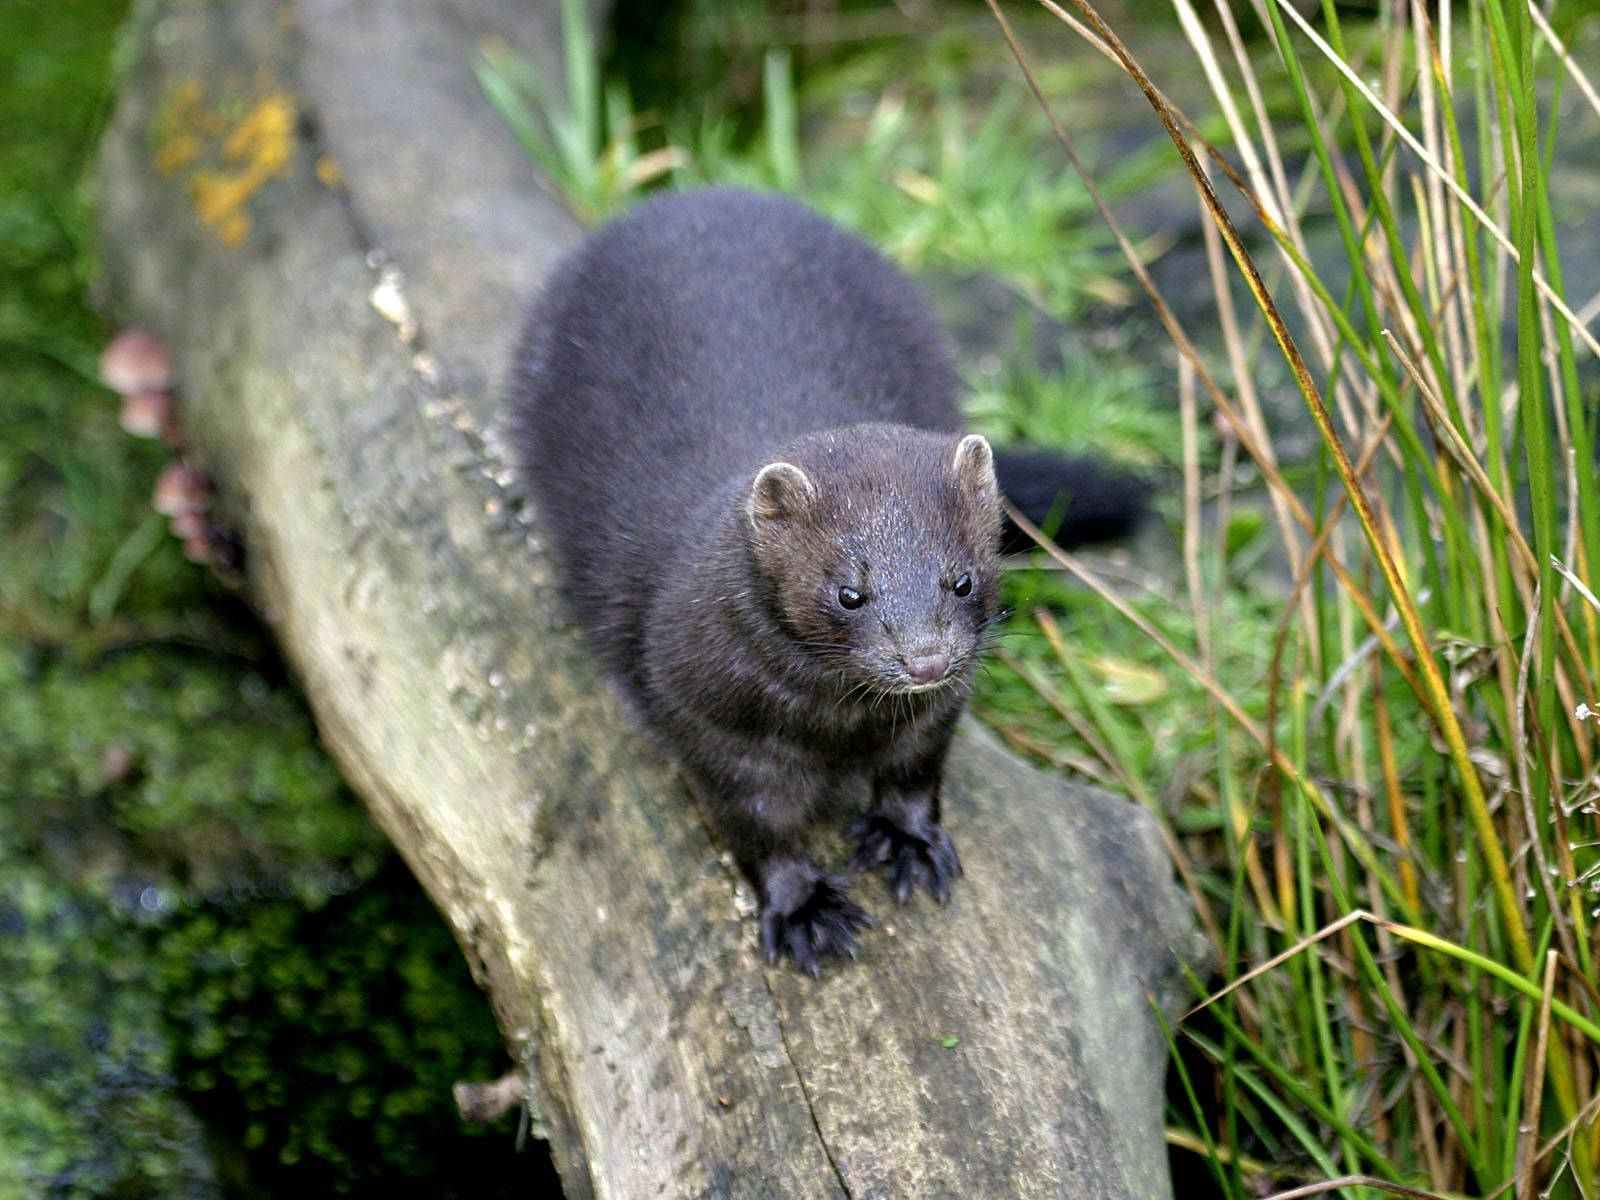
x=329, y=173
x=263, y=140
x=220, y=197
x=229, y=149
x=186, y=106
x=176, y=153
x=232, y=229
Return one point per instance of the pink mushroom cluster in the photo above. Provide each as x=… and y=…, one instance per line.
x=136, y=365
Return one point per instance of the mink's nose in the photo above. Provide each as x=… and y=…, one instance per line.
x=928, y=668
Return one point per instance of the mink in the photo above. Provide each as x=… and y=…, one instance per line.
x=740, y=425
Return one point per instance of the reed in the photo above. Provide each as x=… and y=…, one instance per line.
x=1402, y=874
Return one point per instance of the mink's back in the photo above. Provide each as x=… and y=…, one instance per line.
x=675, y=350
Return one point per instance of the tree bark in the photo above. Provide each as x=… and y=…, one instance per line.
x=342, y=319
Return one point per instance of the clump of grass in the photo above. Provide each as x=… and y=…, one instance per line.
x=1100, y=405
x=917, y=167
x=1400, y=877
x=585, y=137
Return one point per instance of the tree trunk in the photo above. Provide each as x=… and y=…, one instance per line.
x=317, y=209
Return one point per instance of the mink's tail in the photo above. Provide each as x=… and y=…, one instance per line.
x=1076, y=500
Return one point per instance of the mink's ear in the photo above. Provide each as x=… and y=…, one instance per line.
x=974, y=468
x=780, y=490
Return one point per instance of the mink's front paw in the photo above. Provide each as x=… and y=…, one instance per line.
x=917, y=851
x=808, y=916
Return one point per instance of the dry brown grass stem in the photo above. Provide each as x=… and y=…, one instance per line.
x=1535, y=1084
x=1185, y=1140
x=1588, y=1112
x=1269, y=194
x=1344, y=1181
x=1193, y=574
x=1395, y=796
x=1277, y=960
x=1556, y=44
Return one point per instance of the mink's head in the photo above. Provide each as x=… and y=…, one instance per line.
x=879, y=544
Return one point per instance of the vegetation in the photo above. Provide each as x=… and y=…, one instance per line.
x=1398, y=845
x=939, y=170
x=213, y=968
x=1361, y=703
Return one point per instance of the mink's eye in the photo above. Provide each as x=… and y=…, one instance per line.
x=850, y=598
x=963, y=585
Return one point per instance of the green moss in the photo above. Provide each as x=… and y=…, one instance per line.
x=190, y=877
x=328, y=1037
x=210, y=766
x=90, y=1106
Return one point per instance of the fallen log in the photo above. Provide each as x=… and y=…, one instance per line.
x=316, y=209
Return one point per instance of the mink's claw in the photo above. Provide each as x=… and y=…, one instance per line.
x=922, y=854
x=822, y=924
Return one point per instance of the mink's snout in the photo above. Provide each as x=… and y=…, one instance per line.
x=927, y=668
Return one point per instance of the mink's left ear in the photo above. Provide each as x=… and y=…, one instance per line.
x=780, y=491
x=974, y=468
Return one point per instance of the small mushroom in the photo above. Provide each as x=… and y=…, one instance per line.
x=135, y=361
x=180, y=489
x=190, y=525
x=197, y=550
x=486, y=1101
x=116, y=763
x=146, y=414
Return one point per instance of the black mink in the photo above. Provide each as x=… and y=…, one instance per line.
x=740, y=425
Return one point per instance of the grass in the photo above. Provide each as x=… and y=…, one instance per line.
x=934, y=170
x=1399, y=873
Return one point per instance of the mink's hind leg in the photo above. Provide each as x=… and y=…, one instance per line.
x=902, y=830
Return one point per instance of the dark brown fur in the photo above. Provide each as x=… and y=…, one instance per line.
x=775, y=696
x=729, y=411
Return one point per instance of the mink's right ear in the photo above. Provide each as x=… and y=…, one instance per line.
x=781, y=490
x=973, y=466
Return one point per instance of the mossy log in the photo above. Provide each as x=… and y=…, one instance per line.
x=315, y=207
